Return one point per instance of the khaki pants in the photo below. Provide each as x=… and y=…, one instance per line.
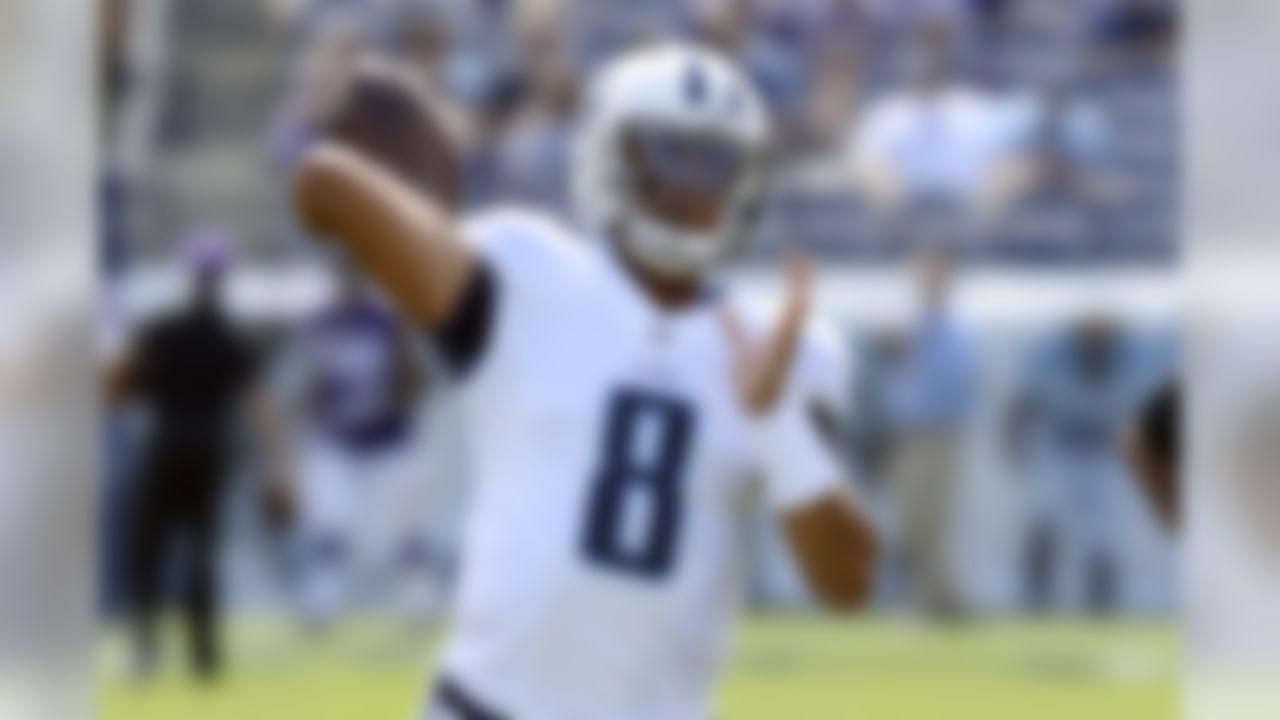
x=923, y=474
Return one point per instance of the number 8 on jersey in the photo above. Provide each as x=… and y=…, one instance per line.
x=633, y=513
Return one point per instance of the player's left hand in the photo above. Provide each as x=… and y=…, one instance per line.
x=761, y=366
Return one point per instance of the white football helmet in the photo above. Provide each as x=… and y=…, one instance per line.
x=703, y=126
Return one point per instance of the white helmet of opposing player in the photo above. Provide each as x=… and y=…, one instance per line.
x=679, y=122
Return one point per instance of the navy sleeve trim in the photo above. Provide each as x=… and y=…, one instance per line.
x=462, y=341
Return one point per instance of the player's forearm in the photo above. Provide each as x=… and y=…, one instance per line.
x=835, y=546
x=404, y=240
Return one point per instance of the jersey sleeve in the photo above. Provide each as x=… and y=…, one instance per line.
x=462, y=340
x=522, y=257
x=799, y=443
x=823, y=374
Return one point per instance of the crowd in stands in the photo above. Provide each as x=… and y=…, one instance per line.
x=1020, y=129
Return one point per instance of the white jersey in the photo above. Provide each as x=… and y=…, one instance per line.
x=612, y=465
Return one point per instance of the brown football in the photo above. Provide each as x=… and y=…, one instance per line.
x=394, y=119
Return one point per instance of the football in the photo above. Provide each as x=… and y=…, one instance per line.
x=391, y=117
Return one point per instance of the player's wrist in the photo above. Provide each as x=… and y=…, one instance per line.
x=798, y=466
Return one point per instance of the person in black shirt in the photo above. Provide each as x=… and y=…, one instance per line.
x=194, y=370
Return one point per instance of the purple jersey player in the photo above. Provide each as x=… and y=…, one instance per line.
x=361, y=387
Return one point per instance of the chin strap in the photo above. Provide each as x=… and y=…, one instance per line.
x=672, y=252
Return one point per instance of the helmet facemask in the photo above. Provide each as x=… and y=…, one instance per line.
x=671, y=159
x=687, y=196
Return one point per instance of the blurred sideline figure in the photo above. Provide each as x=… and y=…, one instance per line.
x=1084, y=387
x=195, y=372
x=318, y=81
x=358, y=384
x=930, y=389
x=620, y=408
x=940, y=142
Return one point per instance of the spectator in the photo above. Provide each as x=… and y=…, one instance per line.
x=1069, y=143
x=305, y=15
x=194, y=370
x=423, y=40
x=1137, y=34
x=531, y=149
x=938, y=140
x=773, y=52
x=533, y=153
x=1065, y=181
x=723, y=24
x=286, y=11
x=322, y=76
x=930, y=397
x=837, y=87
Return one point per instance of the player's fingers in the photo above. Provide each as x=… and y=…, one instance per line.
x=772, y=363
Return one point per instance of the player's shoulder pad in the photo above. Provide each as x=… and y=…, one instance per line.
x=522, y=239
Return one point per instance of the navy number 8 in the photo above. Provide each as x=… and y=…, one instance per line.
x=634, y=507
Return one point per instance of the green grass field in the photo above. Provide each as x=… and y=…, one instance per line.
x=783, y=669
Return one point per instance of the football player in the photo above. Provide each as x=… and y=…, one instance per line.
x=1084, y=384
x=620, y=409
x=358, y=387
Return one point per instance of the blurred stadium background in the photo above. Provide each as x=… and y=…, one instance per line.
x=1048, y=169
